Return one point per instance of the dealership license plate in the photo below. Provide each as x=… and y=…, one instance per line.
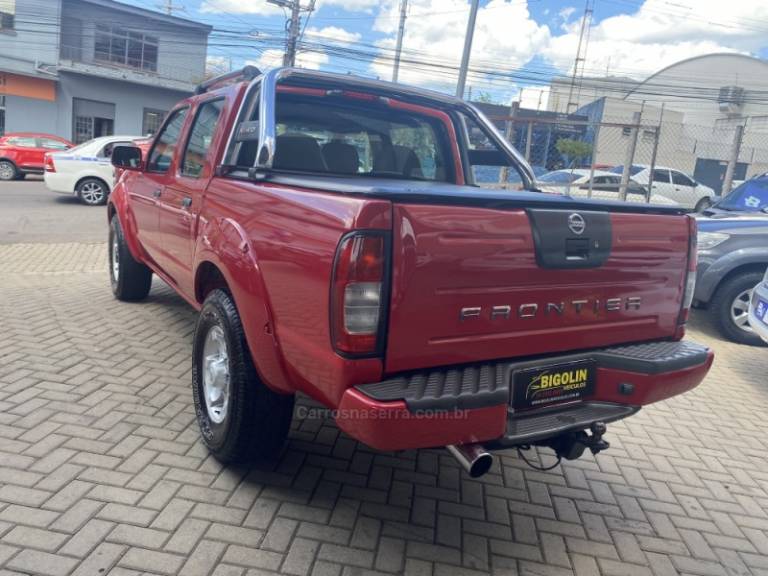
x=761, y=311
x=540, y=387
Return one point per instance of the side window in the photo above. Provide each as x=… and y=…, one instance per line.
x=681, y=179
x=50, y=144
x=661, y=176
x=491, y=168
x=22, y=142
x=161, y=154
x=200, y=138
x=106, y=152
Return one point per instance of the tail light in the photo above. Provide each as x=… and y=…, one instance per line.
x=359, y=294
x=690, y=276
x=49, y=165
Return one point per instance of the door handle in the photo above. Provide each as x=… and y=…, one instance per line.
x=186, y=203
x=156, y=192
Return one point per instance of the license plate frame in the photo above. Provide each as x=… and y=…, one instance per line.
x=568, y=382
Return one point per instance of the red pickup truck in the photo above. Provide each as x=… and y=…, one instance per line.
x=330, y=233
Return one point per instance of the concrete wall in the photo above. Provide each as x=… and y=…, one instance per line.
x=129, y=100
x=35, y=39
x=30, y=115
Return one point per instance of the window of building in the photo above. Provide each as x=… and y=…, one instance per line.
x=2, y=115
x=151, y=122
x=161, y=155
x=116, y=45
x=200, y=138
x=7, y=14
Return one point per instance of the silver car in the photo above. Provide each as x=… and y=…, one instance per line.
x=758, y=309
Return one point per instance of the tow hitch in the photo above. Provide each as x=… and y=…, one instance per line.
x=571, y=446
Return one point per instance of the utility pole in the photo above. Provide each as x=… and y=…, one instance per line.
x=168, y=7
x=581, y=58
x=738, y=134
x=400, y=33
x=289, y=59
x=630, y=156
x=467, y=49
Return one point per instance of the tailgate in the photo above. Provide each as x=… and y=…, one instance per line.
x=472, y=284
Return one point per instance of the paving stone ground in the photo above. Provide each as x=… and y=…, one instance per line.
x=102, y=471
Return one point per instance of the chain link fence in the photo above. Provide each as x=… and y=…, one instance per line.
x=660, y=160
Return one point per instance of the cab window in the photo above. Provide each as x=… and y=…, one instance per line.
x=681, y=179
x=161, y=155
x=200, y=138
x=22, y=142
x=661, y=176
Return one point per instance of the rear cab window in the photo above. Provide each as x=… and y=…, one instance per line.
x=348, y=136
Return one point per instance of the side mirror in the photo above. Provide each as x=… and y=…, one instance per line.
x=127, y=158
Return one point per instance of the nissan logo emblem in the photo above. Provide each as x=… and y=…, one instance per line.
x=577, y=223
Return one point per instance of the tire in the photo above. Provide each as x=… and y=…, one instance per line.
x=702, y=205
x=92, y=191
x=243, y=419
x=8, y=171
x=130, y=279
x=729, y=308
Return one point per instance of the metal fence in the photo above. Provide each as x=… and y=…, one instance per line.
x=663, y=162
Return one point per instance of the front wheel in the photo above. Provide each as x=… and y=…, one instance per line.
x=730, y=308
x=702, y=205
x=130, y=280
x=240, y=418
x=8, y=171
x=92, y=192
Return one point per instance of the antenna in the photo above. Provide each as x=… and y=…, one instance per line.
x=169, y=7
x=581, y=57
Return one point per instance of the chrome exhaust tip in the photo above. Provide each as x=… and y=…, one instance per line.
x=472, y=457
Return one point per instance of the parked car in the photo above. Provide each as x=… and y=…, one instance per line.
x=330, y=232
x=23, y=153
x=673, y=184
x=605, y=185
x=733, y=257
x=750, y=196
x=489, y=176
x=758, y=309
x=85, y=170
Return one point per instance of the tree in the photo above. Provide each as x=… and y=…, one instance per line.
x=485, y=98
x=573, y=150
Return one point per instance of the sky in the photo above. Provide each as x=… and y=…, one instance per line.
x=518, y=46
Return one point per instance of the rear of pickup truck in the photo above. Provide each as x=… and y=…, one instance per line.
x=342, y=248
x=514, y=321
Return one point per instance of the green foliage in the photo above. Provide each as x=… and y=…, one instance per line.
x=485, y=98
x=573, y=150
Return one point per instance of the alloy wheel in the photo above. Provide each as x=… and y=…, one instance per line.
x=740, y=311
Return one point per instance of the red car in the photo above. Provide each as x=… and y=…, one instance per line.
x=23, y=153
x=330, y=232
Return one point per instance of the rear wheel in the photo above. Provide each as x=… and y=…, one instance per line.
x=8, y=171
x=130, y=279
x=92, y=192
x=240, y=418
x=730, y=308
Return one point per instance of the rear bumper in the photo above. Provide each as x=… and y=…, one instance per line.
x=472, y=403
x=60, y=182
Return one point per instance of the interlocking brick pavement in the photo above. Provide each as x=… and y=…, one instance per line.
x=102, y=471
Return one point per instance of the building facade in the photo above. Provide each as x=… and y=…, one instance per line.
x=87, y=68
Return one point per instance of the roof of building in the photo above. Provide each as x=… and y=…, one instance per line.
x=151, y=14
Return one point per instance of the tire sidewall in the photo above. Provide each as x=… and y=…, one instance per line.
x=15, y=173
x=215, y=436
x=115, y=231
x=104, y=191
x=726, y=299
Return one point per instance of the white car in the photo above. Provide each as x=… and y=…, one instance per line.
x=605, y=186
x=672, y=184
x=85, y=170
x=758, y=309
